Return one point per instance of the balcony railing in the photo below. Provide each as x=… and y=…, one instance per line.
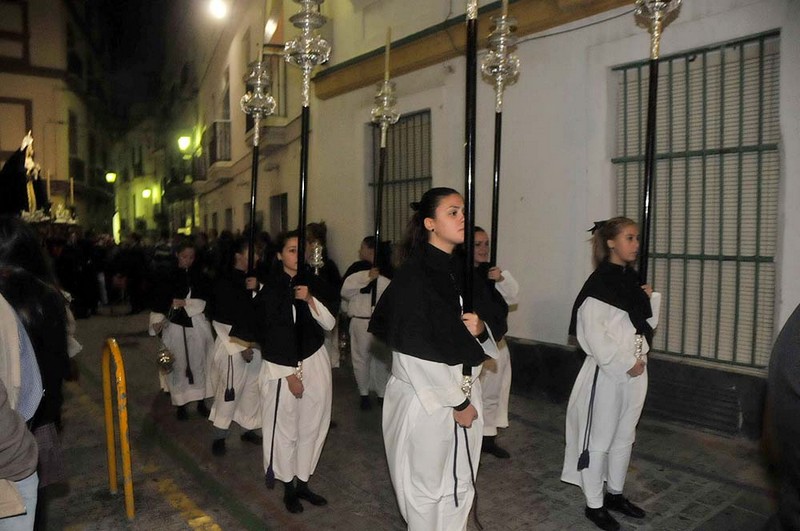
x=219, y=141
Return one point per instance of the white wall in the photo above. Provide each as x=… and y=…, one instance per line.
x=558, y=136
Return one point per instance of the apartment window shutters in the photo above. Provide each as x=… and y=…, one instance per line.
x=408, y=170
x=715, y=195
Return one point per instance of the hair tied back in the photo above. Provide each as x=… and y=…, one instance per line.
x=415, y=206
x=597, y=226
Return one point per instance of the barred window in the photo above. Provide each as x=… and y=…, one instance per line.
x=408, y=170
x=715, y=194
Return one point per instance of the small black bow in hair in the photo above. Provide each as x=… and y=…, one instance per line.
x=415, y=206
x=597, y=226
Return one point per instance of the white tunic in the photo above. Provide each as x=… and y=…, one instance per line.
x=371, y=358
x=302, y=423
x=420, y=435
x=496, y=375
x=200, y=344
x=230, y=368
x=607, y=336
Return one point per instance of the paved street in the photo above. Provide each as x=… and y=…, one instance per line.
x=684, y=478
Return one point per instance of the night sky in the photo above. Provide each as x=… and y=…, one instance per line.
x=137, y=37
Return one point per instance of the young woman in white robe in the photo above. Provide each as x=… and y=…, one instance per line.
x=295, y=378
x=613, y=320
x=496, y=375
x=432, y=423
x=179, y=301
x=371, y=359
x=237, y=360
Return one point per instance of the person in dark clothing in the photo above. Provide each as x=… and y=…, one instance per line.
x=29, y=285
x=295, y=309
x=317, y=235
x=236, y=359
x=134, y=268
x=783, y=417
x=433, y=408
x=177, y=305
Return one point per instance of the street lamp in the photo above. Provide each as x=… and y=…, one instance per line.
x=184, y=142
x=111, y=177
x=218, y=9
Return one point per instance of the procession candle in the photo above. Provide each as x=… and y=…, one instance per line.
x=505, y=8
x=72, y=191
x=48, y=185
x=386, y=54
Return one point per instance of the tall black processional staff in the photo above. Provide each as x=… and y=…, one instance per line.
x=259, y=104
x=306, y=51
x=384, y=115
x=654, y=15
x=469, y=165
x=500, y=66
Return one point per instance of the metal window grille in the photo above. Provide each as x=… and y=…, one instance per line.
x=715, y=195
x=408, y=170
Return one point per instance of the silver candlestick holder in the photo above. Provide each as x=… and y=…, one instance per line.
x=308, y=49
x=500, y=65
x=257, y=102
x=384, y=113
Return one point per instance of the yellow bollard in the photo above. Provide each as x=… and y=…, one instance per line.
x=110, y=349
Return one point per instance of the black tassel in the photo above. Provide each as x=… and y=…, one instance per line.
x=230, y=394
x=583, y=460
x=270, y=478
x=190, y=376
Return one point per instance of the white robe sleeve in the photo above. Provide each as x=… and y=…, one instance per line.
x=273, y=371
x=194, y=307
x=436, y=385
x=655, y=306
x=352, y=284
x=603, y=335
x=508, y=288
x=322, y=315
x=155, y=318
x=490, y=345
x=223, y=333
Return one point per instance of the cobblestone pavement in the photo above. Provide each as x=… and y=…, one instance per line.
x=684, y=478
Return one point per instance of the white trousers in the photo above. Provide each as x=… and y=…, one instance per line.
x=496, y=384
x=371, y=359
x=200, y=347
x=611, y=465
x=421, y=451
x=245, y=408
x=302, y=423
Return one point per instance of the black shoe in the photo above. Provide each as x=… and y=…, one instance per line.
x=489, y=446
x=181, y=413
x=619, y=503
x=304, y=493
x=602, y=519
x=202, y=409
x=291, y=499
x=251, y=437
x=366, y=405
x=218, y=447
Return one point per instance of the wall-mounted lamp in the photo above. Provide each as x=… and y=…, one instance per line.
x=184, y=142
x=111, y=177
x=146, y=193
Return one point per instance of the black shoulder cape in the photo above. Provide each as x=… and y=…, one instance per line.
x=233, y=305
x=419, y=314
x=276, y=332
x=618, y=286
x=175, y=283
